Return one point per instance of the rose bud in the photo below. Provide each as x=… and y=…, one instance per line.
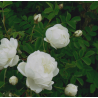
x=13, y=80
x=78, y=33
x=61, y=6
x=37, y=18
x=71, y=90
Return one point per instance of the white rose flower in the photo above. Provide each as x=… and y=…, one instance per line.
x=39, y=70
x=71, y=90
x=57, y=36
x=38, y=18
x=8, y=51
x=13, y=80
x=78, y=33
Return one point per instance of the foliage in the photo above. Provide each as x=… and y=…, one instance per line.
x=77, y=62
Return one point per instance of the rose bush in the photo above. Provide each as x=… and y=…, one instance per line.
x=65, y=33
x=57, y=36
x=39, y=70
x=8, y=53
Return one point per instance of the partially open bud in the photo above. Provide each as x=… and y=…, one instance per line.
x=37, y=18
x=13, y=80
x=10, y=94
x=78, y=33
x=71, y=90
x=60, y=6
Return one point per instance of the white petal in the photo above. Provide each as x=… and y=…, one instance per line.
x=56, y=71
x=21, y=68
x=45, y=40
x=6, y=66
x=12, y=52
x=61, y=27
x=14, y=61
x=14, y=42
x=31, y=84
x=4, y=41
x=49, y=87
x=29, y=69
x=3, y=58
x=53, y=45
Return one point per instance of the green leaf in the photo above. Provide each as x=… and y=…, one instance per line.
x=50, y=4
x=79, y=64
x=80, y=81
x=56, y=10
x=24, y=17
x=94, y=28
x=73, y=79
x=78, y=74
x=2, y=75
x=81, y=53
x=94, y=5
x=92, y=88
x=1, y=4
x=48, y=10
x=15, y=34
x=89, y=53
x=76, y=44
x=1, y=94
x=87, y=60
x=90, y=75
x=95, y=81
x=26, y=26
x=86, y=43
x=63, y=19
x=22, y=23
x=51, y=16
x=30, y=18
x=92, y=33
x=68, y=17
x=41, y=25
x=57, y=20
x=75, y=19
x=38, y=43
x=6, y=3
x=27, y=47
x=75, y=54
x=38, y=31
x=1, y=84
x=72, y=24
x=6, y=10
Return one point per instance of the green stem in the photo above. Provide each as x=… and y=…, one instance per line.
x=58, y=87
x=4, y=23
x=44, y=46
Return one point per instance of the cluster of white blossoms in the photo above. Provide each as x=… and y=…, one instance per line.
x=40, y=67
